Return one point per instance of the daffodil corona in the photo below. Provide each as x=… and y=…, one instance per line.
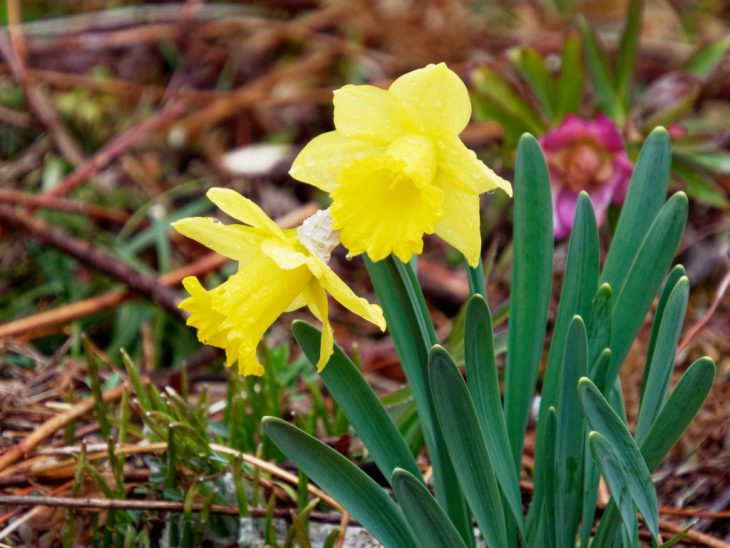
x=279, y=271
x=396, y=169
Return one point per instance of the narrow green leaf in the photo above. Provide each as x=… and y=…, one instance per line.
x=715, y=161
x=591, y=479
x=571, y=82
x=362, y=407
x=578, y=287
x=430, y=524
x=599, y=324
x=599, y=69
x=532, y=271
x=569, y=437
x=345, y=482
x=495, y=88
x=467, y=447
x=599, y=370
x=644, y=199
x=483, y=383
x=413, y=336
x=532, y=67
x=676, y=273
x=546, y=529
x=627, y=51
x=617, y=477
x=660, y=368
x=644, y=278
x=681, y=407
x=703, y=63
x=604, y=420
x=700, y=185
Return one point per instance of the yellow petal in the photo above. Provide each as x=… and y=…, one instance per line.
x=368, y=111
x=320, y=163
x=202, y=316
x=435, y=99
x=317, y=302
x=243, y=209
x=460, y=166
x=342, y=293
x=287, y=256
x=298, y=302
x=236, y=242
x=459, y=225
x=378, y=209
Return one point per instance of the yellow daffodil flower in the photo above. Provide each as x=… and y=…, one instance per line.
x=279, y=271
x=396, y=169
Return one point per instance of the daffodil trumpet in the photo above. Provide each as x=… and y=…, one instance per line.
x=396, y=169
x=279, y=271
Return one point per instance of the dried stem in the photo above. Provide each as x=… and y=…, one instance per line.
x=92, y=256
x=61, y=204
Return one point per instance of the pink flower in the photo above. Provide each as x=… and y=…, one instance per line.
x=585, y=155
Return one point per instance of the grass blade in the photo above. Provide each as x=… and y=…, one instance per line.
x=601, y=75
x=627, y=51
x=467, y=447
x=532, y=273
x=571, y=82
x=430, y=524
x=363, y=408
x=348, y=485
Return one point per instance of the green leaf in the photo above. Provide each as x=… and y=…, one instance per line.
x=627, y=51
x=413, y=336
x=430, y=524
x=679, y=410
x=599, y=69
x=617, y=477
x=345, y=482
x=714, y=161
x=532, y=271
x=483, y=383
x=362, y=407
x=497, y=90
x=599, y=324
x=578, y=287
x=532, y=67
x=475, y=276
x=571, y=82
x=547, y=522
x=644, y=278
x=672, y=279
x=659, y=369
x=569, y=437
x=703, y=63
x=644, y=199
x=681, y=407
x=637, y=481
x=466, y=445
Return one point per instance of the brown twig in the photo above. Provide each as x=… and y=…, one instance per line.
x=699, y=538
x=116, y=147
x=52, y=425
x=94, y=305
x=92, y=256
x=60, y=204
x=149, y=505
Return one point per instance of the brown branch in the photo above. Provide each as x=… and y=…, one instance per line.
x=92, y=256
x=115, y=148
x=52, y=425
x=80, y=309
x=60, y=204
x=149, y=505
x=699, y=538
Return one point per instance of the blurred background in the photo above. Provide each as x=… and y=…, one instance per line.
x=116, y=117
